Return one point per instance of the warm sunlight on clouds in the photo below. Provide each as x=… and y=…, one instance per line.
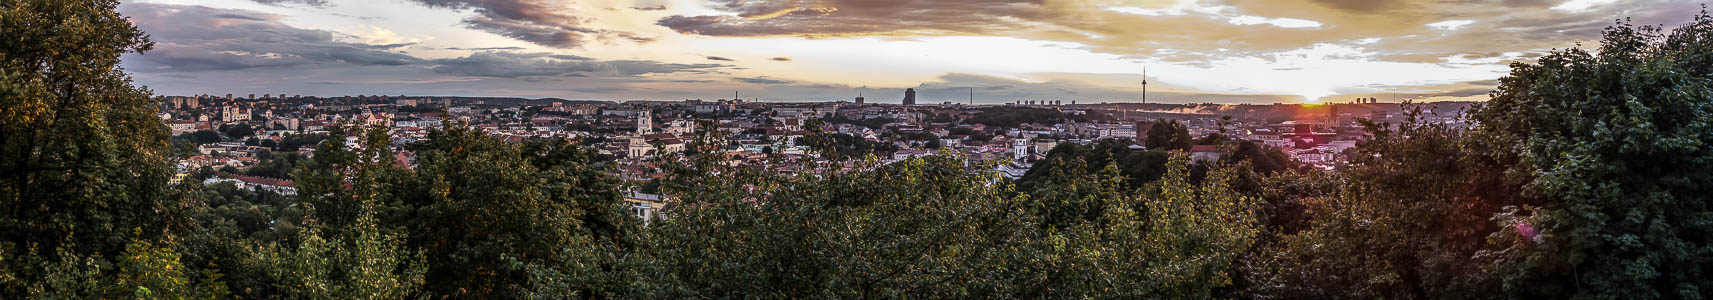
x=1090, y=50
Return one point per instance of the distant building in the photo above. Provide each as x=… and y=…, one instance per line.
x=910, y=96
x=859, y=99
x=645, y=206
x=1206, y=153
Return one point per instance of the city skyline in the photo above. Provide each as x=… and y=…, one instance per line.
x=991, y=51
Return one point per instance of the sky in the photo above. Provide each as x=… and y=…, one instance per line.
x=994, y=51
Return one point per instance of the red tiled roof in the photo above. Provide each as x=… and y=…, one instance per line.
x=265, y=181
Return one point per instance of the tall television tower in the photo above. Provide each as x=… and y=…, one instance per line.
x=1144, y=83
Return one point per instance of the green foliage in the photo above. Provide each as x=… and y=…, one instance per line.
x=204, y=137
x=370, y=263
x=1017, y=116
x=1169, y=135
x=488, y=213
x=1137, y=166
x=237, y=132
x=1584, y=177
x=840, y=147
x=1616, y=146
x=295, y=141
x=1265, y=159
x=921, y=227
x=83, y=159
x=276, y=166
x=929, y=228
x=1400, y=221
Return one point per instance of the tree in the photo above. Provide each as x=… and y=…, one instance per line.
x=1265, y=159
x=1137, y=166
x=928, y=227
x=491, y=214
x=1404, y=219
x=881, y=233
x=83, y=166
x=237, y=132
x=1615, y=145
x=205, y=137
x=1169, y=135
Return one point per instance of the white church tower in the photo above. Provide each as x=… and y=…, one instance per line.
x=644, y=123
x=639, y=147
x=1020, y=149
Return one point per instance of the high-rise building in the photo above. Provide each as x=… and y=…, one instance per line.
x=910, y=96
x=859, y=99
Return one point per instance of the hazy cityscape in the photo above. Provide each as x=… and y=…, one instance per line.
x=843, y=149
x=229, y=134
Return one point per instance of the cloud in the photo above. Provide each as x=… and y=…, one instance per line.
x=516, y=65
x=196, y=38
x=483, y=48
x=955, y=87
x=205, y=50
x=1580, y=5
x=760, y=80
x=643, y=67
x=1191, y=32
x=1450, y=24
x=376, y=35
x=513, y=65
x=602, y=90
x=542, y=22
x=1223, y=47
x=834, y=17
x=304, y=2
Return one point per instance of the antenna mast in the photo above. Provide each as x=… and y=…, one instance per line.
x=1144, y=83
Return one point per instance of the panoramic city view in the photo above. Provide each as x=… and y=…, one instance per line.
x=856, y=149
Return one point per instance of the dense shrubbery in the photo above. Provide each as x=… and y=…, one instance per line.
x=1585, y=177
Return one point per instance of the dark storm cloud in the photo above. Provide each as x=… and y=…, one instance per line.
x=719, y=58
x=195, y=38
x=541, y=22
x=782, y=59
x=761, y=80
